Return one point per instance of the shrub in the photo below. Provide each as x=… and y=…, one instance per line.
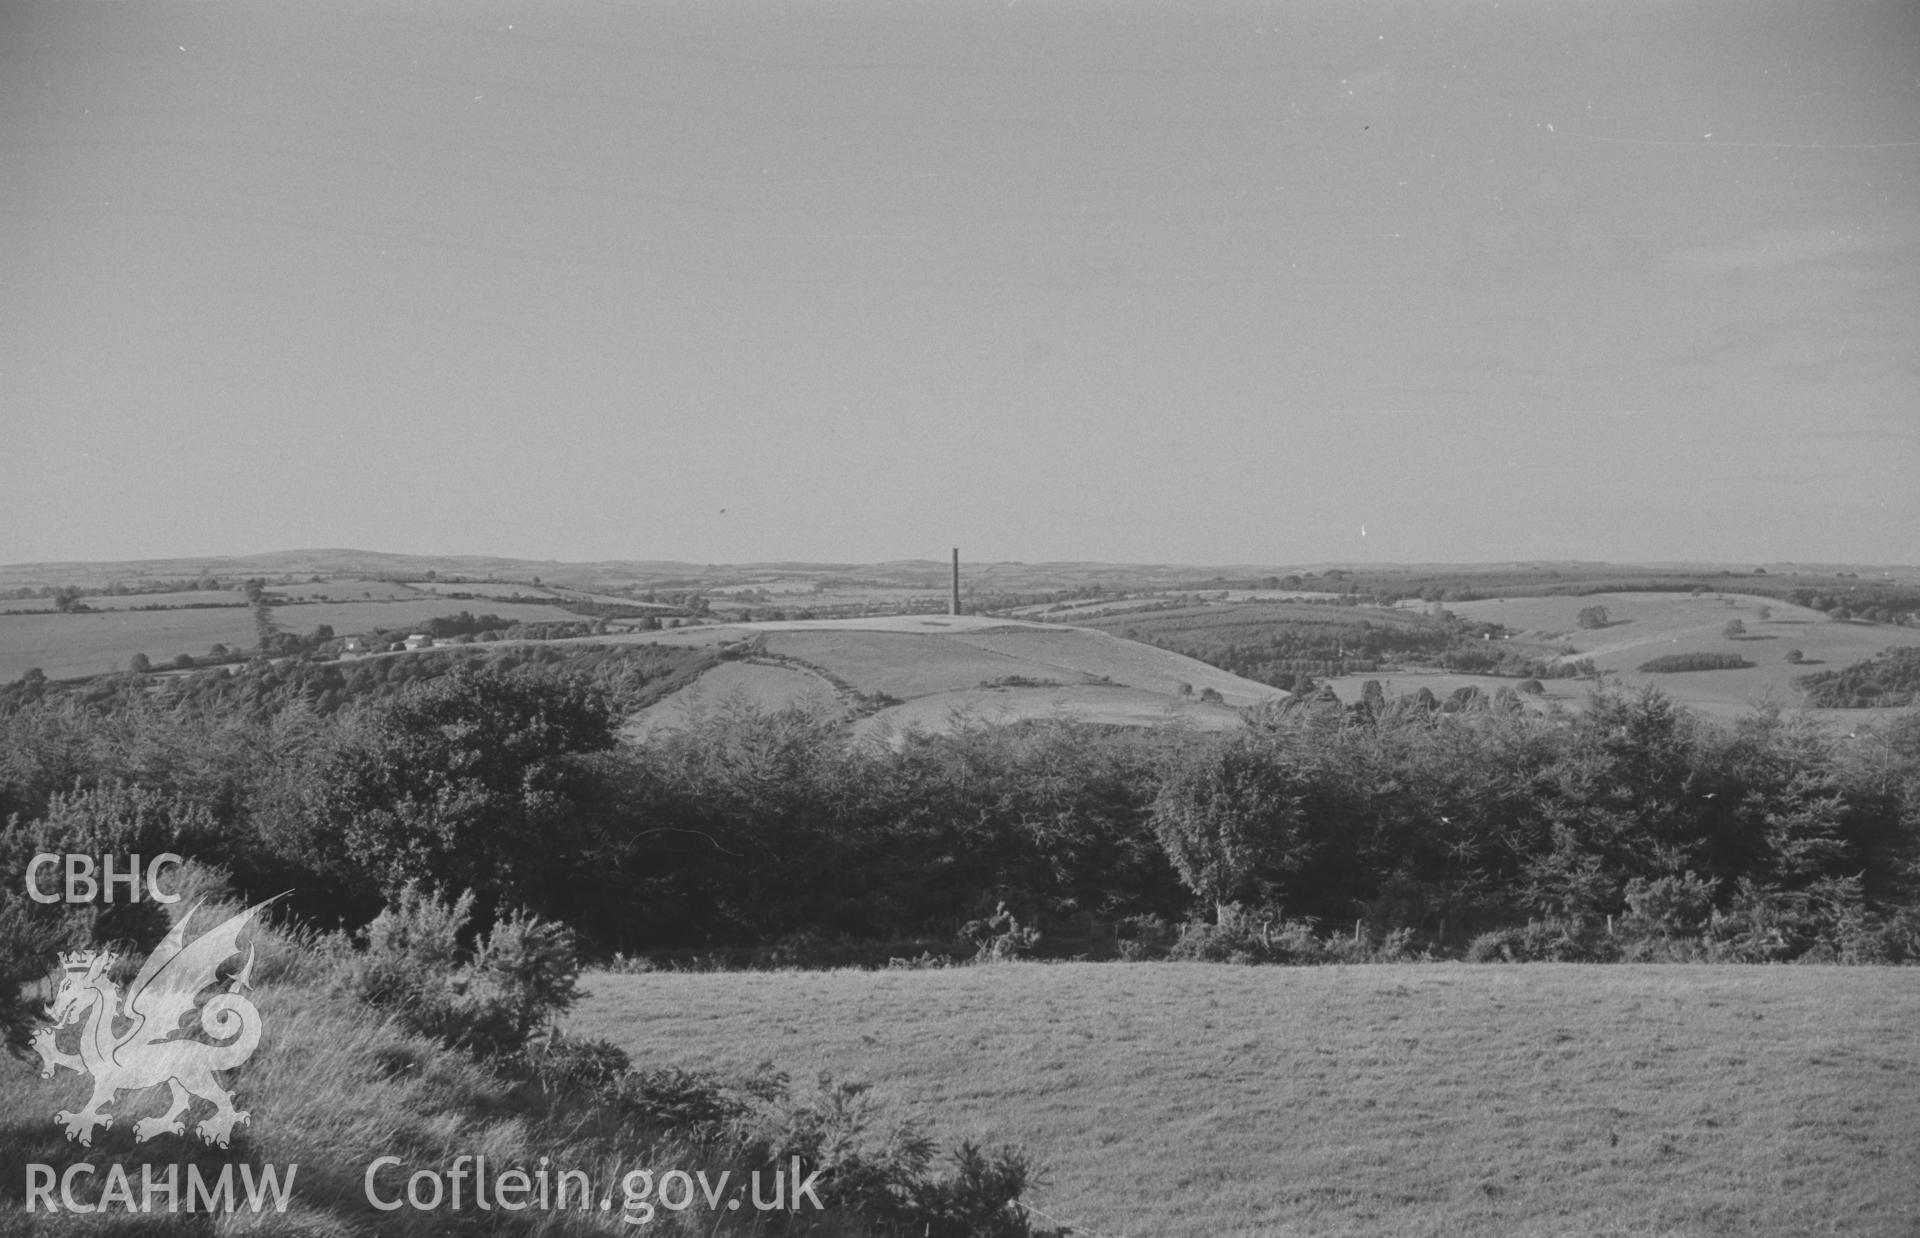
x=1396, y=946
x=1550, y=940
x=1145, y=937
x=1490, y=947
x=1234, y=941
x=1000, y=937
x=1668, y=906
x=116, y=818
x=980, y=1200
x=31, y=938
x=1242, y=939
x=883, y=1175
x=563, y=1065
x=703, y=1106
x=1829, y=921
x=520, y=977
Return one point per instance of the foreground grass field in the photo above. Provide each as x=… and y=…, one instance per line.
x=1186, y=1099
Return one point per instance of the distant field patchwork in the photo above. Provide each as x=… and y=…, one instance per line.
x=346, y=590
x=150, y=601
x=350, y=617
x=488, y=589
x=98, y=641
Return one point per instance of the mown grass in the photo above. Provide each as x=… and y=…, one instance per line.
x=1542, y=1100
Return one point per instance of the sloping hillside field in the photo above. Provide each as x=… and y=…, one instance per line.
x=87, y=644
x=1537, y=1101
x=1644, y=626
x=926, y=671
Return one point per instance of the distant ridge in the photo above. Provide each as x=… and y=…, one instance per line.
x=987, y=574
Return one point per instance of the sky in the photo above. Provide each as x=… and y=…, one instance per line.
x=1201, y=283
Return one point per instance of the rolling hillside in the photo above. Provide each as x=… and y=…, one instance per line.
x=926, y=671
x=1643, y=626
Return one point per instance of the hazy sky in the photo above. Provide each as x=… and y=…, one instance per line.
x=1209, y=283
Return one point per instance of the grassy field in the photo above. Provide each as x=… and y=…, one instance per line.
x=87, y=644
x=764, y=687
x=1647, y=625
x=347, y=589
x=482, y=589
x=1540, y=1101
x=1215, y=625
x=1099, y=704
x=936, y=664
x=145, y=601
x=347, y=618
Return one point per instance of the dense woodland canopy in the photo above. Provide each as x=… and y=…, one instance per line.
x=1629, y=828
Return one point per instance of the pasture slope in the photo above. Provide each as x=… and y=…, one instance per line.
x=1417, y=1100
x=928, y=671
x=66, y=646
x=1642, y=626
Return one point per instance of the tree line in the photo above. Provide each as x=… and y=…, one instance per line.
x=756, y=829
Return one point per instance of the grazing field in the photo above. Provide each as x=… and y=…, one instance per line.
x=760, y=686
x=94, y=642
x=939, y=667
x=611, y=599
x=1073, y=611
x=160, y=601
x=88, y=644
x=347, y=589
x=483, y=589
x=1642, y=626
x=1415, y=1100
x=1098, y=704
x=347, y=618
x=1213, y=626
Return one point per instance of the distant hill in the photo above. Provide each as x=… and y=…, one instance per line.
x=1480, y=580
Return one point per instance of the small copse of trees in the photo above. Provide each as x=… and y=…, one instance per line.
x=1672, y=663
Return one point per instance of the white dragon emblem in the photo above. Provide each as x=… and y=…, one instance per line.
x=147, y=1051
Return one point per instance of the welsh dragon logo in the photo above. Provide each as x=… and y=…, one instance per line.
x=151, y=1048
